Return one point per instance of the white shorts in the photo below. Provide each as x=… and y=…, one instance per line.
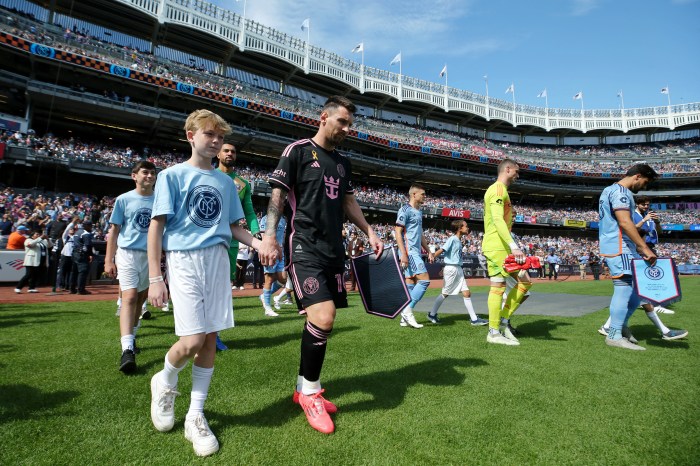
x=454, y=280
x=200, y=289
x=132, y=269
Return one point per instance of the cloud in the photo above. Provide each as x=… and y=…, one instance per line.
x=583, y=7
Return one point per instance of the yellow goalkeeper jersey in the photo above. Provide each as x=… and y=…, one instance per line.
x=498, y=219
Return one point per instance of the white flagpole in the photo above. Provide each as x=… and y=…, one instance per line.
x=512, y=91
x=622, y=101
x=486, y=79
x=668, y=94
x=362, y=70
x=241, y=39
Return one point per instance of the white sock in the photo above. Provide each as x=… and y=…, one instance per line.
x=127, y=342
x=436, y=305
x=201, y=379
x=119, y=302
x=607, y=323
x=309, y=388
x=505, y=321
x=143, y=307
x=470, y=308
x=300, y=381
x=282, y=295
x=655, y=319
x=169, y=374
x=138, y=326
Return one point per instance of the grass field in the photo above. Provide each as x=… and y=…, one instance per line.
x=439, y=395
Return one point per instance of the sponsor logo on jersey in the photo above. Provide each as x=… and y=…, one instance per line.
x=142, y=219
x=331, y=186
x=204, y=205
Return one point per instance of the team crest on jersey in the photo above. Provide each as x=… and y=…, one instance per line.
x=142, y=219
x=341, y=170
x=331, y=186
x=204, y=205
x=310, y=285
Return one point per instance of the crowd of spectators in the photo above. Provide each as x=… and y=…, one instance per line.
x=124, y=157
x=36, y=211
x=606, y=159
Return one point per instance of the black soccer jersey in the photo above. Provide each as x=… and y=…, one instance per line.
x=316, y=181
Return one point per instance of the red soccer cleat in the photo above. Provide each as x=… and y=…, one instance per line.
x=316, y=413
x=330, y=407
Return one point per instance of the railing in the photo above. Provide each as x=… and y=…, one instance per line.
x=248, y=34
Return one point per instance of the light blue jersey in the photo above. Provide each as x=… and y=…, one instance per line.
x=132, y=213
x=651, y=236
x=453, y=251
x=281, y=226
x=199, y=205
x=412, y=221
x=612, y=240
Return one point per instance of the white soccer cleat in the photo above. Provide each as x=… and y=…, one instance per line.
x=500, y=339
x=162, y=404
x=203, y=439
x=505, y=330
x=408, y=319
x=663, y=310
x=624, y=343
x=276, y=302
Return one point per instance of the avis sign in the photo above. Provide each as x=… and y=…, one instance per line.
x=456, y=213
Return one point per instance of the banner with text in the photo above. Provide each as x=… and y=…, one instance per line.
x=568, y=222
x=456, y=213
x=486, y=151
x=440, y=143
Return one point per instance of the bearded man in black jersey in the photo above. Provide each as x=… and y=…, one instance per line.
x=314, y=180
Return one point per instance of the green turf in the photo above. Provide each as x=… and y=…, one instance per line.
x=439, y=395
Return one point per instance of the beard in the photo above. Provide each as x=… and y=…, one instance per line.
x=228, y=163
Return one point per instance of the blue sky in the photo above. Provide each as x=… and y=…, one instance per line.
x=595, y=46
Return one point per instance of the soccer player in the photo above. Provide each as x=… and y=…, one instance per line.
x=317, y=180
x=496, y=245
x=453, y=275
x=195, y=214
x=410, y=239
x=274, y=274
x=619, y=243
x=647, y=223
x=227, y=162
x=126, y=256
x=283, y=296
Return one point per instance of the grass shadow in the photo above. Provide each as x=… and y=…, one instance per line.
x=22, y=402
x=267, y=342
x=386, y=390
x=541, y=329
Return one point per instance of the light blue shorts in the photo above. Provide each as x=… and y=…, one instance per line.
x=416, y=266
x=277, y=267
x=620, y=265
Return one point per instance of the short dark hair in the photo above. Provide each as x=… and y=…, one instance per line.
x=642, y=199
x=336, y=101
x=506, y=163
x=642, y=169
x=456, y=224
x=147, y=164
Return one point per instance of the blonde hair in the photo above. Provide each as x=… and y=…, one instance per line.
x=200, y=119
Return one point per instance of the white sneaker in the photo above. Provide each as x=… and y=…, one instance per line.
x=408, y=319
x=166, y=307
x=603, y=330
x=162, y=404
x=624, y=343
x=663, y=310
x=203, y=439
x=271, y=313
x=505, y=330
x=499, y=339
x=33, y=290
x=17, y=290
x=241, y=287
x=276, y=302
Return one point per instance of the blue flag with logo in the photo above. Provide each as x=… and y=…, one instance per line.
x=657, y=283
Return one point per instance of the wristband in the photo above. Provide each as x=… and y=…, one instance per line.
x=157, y=279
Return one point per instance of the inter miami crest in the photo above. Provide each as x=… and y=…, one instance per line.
x=204, y=205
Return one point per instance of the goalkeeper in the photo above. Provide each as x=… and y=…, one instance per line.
x=496, y=245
